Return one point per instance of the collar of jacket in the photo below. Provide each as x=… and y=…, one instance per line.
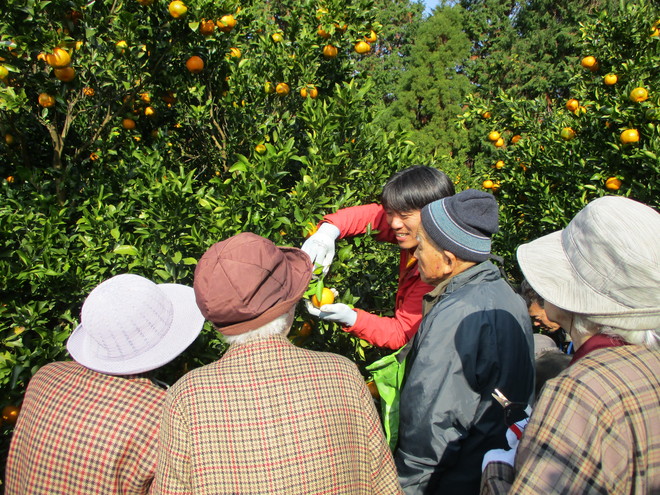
x=485, y=271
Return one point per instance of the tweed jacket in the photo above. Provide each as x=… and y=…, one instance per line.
x=272, y=418
x=83, y=432
x=595, y=429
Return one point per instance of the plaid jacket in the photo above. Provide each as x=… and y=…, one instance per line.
x=595, y=429
x=269, y=417
x=83, y=432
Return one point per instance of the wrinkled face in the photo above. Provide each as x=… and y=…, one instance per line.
x=433, y=264
x=405, y=225
x=540, y=318
x=558, y=316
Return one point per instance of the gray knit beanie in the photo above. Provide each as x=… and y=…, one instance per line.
x=462, y=224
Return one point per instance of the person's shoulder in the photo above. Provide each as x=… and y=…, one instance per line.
x=58, y=369
x=323, y=359
x=197, y=375
x=605, y=373
x=611, y=359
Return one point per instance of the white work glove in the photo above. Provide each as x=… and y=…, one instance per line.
x=321, y=246
x=513, y=436
x=337, y=313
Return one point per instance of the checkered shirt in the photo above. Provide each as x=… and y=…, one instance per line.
x=272, y=418
x=82, y=432
x=595, y=429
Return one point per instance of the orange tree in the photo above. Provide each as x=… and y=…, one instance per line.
x=136, y=134
x=548, y=159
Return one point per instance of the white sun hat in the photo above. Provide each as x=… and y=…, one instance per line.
x=130, y=325
x=604, y=264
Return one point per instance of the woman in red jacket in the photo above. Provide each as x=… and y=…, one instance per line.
x=396, y=219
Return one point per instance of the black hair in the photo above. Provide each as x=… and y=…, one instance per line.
x=415, y=187
x=530, y=295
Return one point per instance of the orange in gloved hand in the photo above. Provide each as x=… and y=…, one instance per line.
x=327, y=297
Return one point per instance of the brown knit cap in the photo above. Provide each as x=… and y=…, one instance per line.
x=246, y=281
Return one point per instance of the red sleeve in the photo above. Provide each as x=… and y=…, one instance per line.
x=396, y=331
x=354, y=220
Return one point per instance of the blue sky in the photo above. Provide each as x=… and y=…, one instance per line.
x=430, y=5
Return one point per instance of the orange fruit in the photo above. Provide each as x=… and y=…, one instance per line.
x=329, y=51
x=373, y=389
x=499, y=143
x=128, y=124
x=310, y=91
x=277, y=37
x=260, y=148
x=567, y=134
x=362, y=47
x=195, y=64
x=9, y=139
x=3, y=72
x=87, y=91
x=493, y=136
x=327, y=297
x=10, y=179
x=145, y=97
x=499, y=164
x=372, y=37
x=234, y=52
x=58, y=59
x=310, y=229
x=149, y=111
x=496, y=187
x=206, y=27
x=282, y=89
x=613, y=184
x=10, y=414
x=487, y=184
x=590, y=63
x=306, y=329
x=269, y=88
x=516, y=138
x=322, y=33
x=46, y=100
x=610, y=79
x=639, y=94
x=65, y=74
x=121, y=46
x=226, y=23
x=629, y=136
x=572, y=105
x=177, y=9
x=486, y=115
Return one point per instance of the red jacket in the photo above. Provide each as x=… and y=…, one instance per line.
x=380, y=330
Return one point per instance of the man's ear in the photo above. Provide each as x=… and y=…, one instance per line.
x=451, y=262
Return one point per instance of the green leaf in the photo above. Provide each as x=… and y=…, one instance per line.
x=125, y=250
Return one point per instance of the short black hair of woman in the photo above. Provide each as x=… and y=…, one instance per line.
x=415, y=187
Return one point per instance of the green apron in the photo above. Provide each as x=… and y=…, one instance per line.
x=388, y=376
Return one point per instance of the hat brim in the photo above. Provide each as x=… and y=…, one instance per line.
x=187, y=323
x=548, y=270
x=301, y=272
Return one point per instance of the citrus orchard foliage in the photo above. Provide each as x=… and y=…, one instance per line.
x=170, y=130
x=604, y=139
